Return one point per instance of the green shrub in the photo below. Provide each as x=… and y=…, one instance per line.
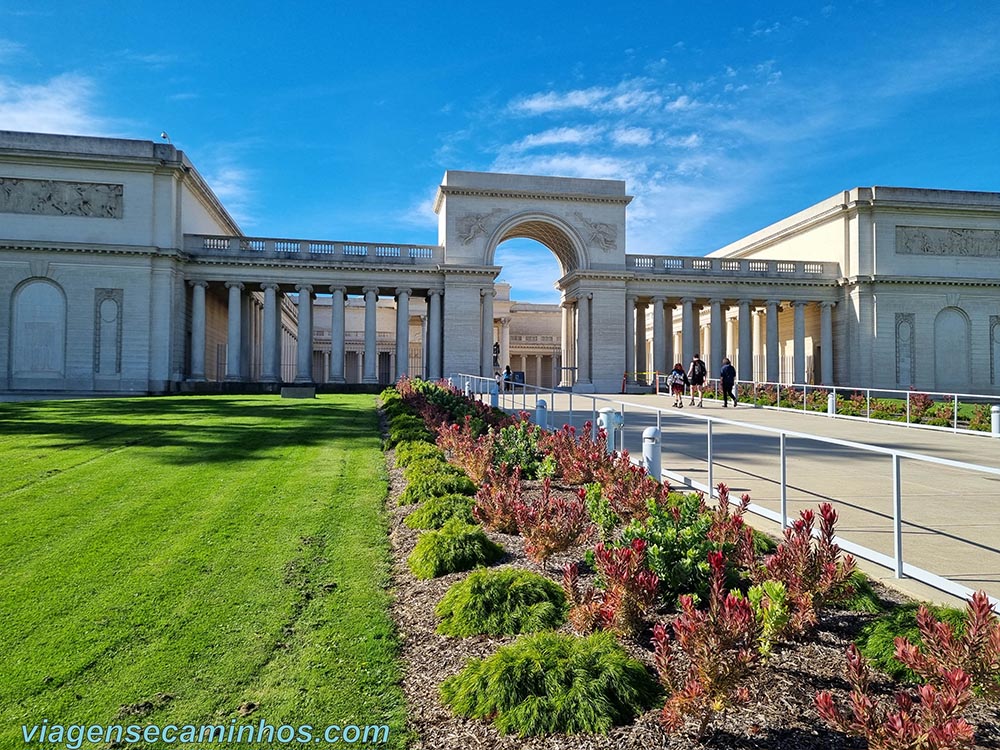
x=435, y=511
x=406, y=427
x=455, y=547
x=601, y=512
x=416, y=450
x=864, y=598
x=763, y=544
x=431, y=485
x=677, y=545
x=548, y=683
x=877, y=639
x=501, y=602
x=517, y=445
x=769, y=602
x=426, y=467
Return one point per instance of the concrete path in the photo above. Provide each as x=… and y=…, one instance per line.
x=951, y=517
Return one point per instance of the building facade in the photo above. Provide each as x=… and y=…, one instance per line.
x=120, y=271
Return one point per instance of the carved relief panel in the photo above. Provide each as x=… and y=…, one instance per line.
x=59, y=198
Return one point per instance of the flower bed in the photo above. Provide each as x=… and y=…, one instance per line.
x=773, y=630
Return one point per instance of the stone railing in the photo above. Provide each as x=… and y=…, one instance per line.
x=369, y=253
x=745, y=267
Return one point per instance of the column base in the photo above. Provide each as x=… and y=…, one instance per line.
x=584, y=388
x=303, y=381
x=373, y=380
x=338, y=380
x=234, y=379
x=196, y=379
x=270, y=379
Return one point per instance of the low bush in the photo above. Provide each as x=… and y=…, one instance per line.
x=877, y=641
x=501, y=602
x=426, y=467
x=721, y=647
x=863, y=597
x=431, y=485
x=498, y=500
x=931, y=719
x=410, y=451
x=552, y=524
x=575, y=455
x=407, y=427
x=517, y=445
x=455, y=547
x=436, y=511
x=553, y=683
x=602, y=515
x=467, y=448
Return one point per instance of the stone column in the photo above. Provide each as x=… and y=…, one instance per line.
x=486, y=332
x=370, y=368
x=744, y=370
x=826, y=341
x=668, y=338
x=338, y=343
x=424, y=359
x=303, y=352
x=773, y=343
x=234, y=332
x=659, y=340
x=272, y=325
x=799, y=342
x=717, y=335
x=434, y=342
x=640, y=342
x=403, y=332
x=538, y=370
x=583, y=339
x=758, y=342
x=630, y=337
x=505, y=341
x=198, y=330
x=689, y=330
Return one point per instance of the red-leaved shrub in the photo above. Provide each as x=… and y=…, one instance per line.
x=498, y=500
x=552, y=524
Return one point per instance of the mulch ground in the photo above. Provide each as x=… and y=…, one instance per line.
x=780, y=715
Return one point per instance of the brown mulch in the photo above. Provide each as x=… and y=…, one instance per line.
x=781, y=713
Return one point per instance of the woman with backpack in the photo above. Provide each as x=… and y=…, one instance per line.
x=696, y=374
x=677, y=380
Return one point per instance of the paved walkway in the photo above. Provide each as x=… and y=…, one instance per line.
x=951, y=517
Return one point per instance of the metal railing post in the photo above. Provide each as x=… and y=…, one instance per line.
x=711, y=482
x=593, y=421
x=897, y=517
x=784, y=485
x=621, y=440
x=868, y=405
x=955, y=415
x=907, y=408
x=571, y=408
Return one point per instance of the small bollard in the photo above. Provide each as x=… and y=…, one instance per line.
x=494, y=396
x=831, y=405
x=995, y=420
x=542, y=414
x=610, y=421
x=467, y=388
x=651, y=452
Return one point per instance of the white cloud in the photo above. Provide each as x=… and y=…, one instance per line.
x=682, y=103
x=420, y=215
x=551, y=101
x=10, y=49
x=232, y=185
x=692, y=140
x=591, y=166
x=64, y=104
x=558, y=136
x=631, y=95
x=632, y=136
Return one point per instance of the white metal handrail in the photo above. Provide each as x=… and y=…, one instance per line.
x=895, y=562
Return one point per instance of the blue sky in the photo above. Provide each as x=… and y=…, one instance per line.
x=336, y=120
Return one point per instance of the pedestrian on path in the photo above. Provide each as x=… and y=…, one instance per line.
x=728, y=377
x=677, y=380
x=696, y=375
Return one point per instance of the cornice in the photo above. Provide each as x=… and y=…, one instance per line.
x=446, y=190
x=102, y=249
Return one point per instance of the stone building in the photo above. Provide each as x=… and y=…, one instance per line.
x=121, y=271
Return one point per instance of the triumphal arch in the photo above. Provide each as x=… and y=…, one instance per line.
x=121, y=271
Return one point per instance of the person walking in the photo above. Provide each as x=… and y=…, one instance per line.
x=508, y=378
x=728, y=377
x=676, y=380
x=696, y=375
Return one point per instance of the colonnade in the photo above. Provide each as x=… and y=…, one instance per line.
x=748, y=330
x=271, y=334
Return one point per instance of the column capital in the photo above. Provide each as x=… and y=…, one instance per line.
x=341, y=289
x=588, y=295
x=435, y=292
x=401, y=292
x=307, y=288
x=505, y=322
x=269, y=286
x=660, y=300
x=773, y=302
x=487, y=292
x=744, y=302
x=372, y=289
x=234, y=285
x=198, y=282
x=688, y=300
x=827, y=304
x=800, y=303
x=716, y=301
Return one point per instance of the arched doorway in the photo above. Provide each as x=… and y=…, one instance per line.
x=528, y=313
x=951, y=350
x=38, y=345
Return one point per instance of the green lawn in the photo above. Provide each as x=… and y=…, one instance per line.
x=169, y=560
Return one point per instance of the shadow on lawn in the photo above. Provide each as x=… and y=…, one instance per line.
x=192, y=429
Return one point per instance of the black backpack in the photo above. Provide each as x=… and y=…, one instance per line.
x=699, y=370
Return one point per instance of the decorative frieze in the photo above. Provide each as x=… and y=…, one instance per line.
x=57, y=198
x=599, y=233
x=972, y=243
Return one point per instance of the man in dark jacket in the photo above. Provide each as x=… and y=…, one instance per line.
x=728, y=377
